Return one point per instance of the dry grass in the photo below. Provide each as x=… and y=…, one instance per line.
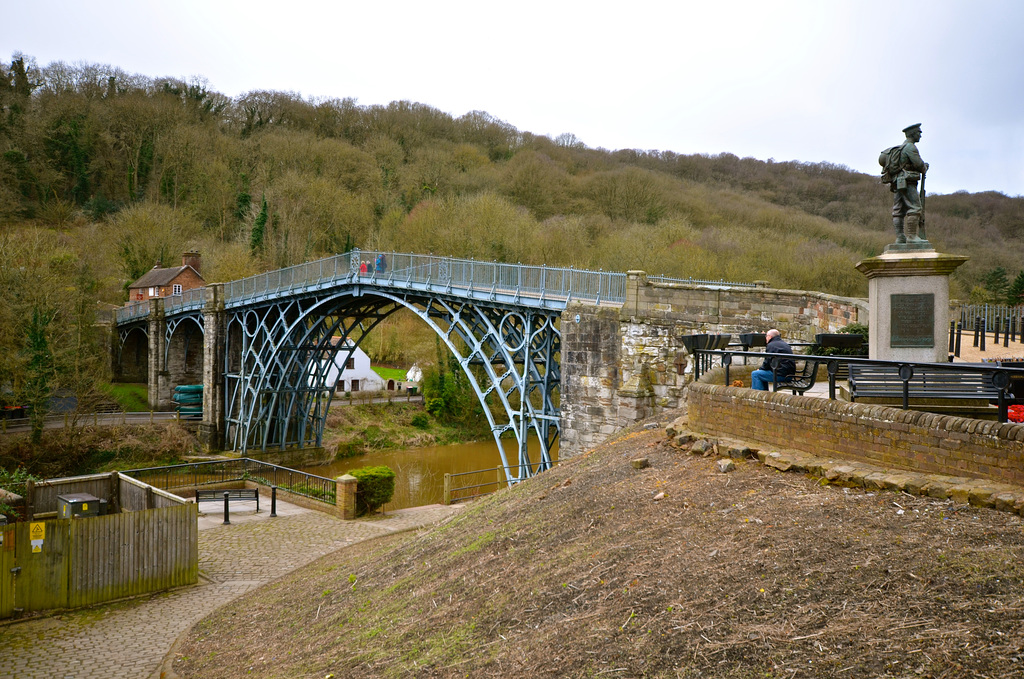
x=581, y=572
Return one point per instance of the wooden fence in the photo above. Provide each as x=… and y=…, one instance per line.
x=151, y=545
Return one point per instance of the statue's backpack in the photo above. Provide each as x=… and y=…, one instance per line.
x=889, y=159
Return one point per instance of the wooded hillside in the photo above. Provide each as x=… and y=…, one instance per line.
x=104, y=173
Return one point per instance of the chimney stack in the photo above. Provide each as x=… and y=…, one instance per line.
x=194, y=260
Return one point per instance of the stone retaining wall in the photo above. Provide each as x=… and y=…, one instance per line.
x=879, y=435
x=799, y=314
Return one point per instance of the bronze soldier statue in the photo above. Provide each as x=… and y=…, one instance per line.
x=902, y=169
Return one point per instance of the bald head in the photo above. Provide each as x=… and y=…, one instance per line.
x=772, y=334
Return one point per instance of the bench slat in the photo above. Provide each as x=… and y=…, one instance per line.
x=883, y=382
x=239, y=494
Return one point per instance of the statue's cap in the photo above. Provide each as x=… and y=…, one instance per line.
x=908, y=128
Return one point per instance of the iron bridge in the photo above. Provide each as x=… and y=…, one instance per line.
x=282, y=330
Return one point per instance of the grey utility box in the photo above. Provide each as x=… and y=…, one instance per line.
x=79, y=505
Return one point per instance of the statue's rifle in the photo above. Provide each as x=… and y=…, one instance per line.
x=920, y=227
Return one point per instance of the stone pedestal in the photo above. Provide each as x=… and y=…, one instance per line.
x=908, y=295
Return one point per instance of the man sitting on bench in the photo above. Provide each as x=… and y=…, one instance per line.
x=760, y=379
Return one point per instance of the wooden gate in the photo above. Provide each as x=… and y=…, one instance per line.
x=6, y=576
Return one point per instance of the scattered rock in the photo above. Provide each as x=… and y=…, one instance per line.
x=652, y=425
x=677, y=427
x=641, y=463
x=725, y=465
x=741, y=452
x=659, y=496
x=700, y=447
x=684, y=440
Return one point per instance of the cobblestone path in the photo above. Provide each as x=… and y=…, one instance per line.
x=130, y=639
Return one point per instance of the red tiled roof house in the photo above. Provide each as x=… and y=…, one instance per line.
x=164, y=282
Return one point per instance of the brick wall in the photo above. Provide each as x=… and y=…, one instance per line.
x=888, y=437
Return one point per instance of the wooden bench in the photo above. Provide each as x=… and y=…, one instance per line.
x=803, y=379
x=234, y=494
x=873, y=381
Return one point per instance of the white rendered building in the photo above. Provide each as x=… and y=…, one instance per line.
x=352, y=372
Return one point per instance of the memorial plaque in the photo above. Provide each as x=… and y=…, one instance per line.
x=912, y=320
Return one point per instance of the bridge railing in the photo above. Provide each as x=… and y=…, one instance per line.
x=290, y=279
x=701, y=282
x=540, y=282
x=132, y=311
x=186, y=301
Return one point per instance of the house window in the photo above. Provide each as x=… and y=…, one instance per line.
x=152, y=292
x=176, y=289
x=355, y=385
x=350, y=364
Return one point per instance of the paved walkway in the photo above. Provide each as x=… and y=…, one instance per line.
x=130, y=639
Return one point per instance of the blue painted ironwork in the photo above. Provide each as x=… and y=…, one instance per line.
x=538, y=286
x=132, y=312
x=189, y=300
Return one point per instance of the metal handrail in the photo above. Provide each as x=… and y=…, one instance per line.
x=132, y=311
x=186, y=301
x=1000, y=374
x=448, y=274
x=450, y=490
x=701, y=282
x=194, y=474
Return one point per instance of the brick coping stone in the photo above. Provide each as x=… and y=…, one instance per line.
x=960, y=489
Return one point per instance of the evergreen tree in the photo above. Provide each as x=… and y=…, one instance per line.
x=1015, y=294
x=996, y=282
x=259, y=229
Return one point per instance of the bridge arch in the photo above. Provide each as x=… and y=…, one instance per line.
x=131, y=362
x=183, y=349
x=278, y=395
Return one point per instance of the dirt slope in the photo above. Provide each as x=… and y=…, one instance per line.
x=581, y=572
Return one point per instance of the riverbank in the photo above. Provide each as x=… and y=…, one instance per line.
x=674, y=569
x=88, y=449
x=365, y=428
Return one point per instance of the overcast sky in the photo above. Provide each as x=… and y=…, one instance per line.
x=823, y=80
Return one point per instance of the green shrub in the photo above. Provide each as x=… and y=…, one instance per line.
x=420, y=421
x=851, y=329
x=375, y=487
x=435, y=406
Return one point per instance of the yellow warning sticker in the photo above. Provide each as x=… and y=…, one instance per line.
x=37, y=531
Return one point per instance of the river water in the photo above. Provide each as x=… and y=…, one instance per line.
x=419, y=472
